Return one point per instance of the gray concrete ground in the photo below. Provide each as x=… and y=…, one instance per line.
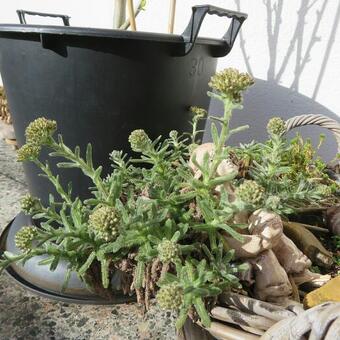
x=26, y=316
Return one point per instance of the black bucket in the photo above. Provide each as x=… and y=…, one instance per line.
x=100, y=84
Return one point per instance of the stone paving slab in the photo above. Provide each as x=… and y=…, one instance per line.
x=24, y=316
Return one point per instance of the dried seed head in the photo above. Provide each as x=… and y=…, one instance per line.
x=168, y=251
x=170, y=296
x=24, y=238
x=139, y=140
x=40, y=130
x=276, y=126
x=250, y=192
x=230, y=83
x=104, y=223
x=28, y=152
x=29, y=204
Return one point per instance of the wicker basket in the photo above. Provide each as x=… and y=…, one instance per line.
x=318, y=120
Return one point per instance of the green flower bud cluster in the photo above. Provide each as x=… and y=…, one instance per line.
x=139, y=140
x=24, y=238
x=40, y=130
x=30, y=204
x=104, y=223
x=170, y=296
x=28, y=152
x=37, y=134
x=276, y=126
x=173, y=134
x=250, y=192
x=273, y=202
x=168, y=251
x=198, y=112
x=324, y=190
x=230, y=83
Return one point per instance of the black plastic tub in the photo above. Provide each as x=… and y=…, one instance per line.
x=101, y=84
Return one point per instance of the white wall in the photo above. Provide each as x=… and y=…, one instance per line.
x=291, y=47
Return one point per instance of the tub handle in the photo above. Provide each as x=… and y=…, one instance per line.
x=21, y=14
x=198, y=13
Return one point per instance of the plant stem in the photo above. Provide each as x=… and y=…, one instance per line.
x=119, y=15
x=24, y=256
x=75, y=234
x=55, y=181
x=172, y=16
x=228, y=108
x=131, y=15
x=125, y=25
x=87, y=170
x=195, y=130
x=212, y=238
x=51, y=214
